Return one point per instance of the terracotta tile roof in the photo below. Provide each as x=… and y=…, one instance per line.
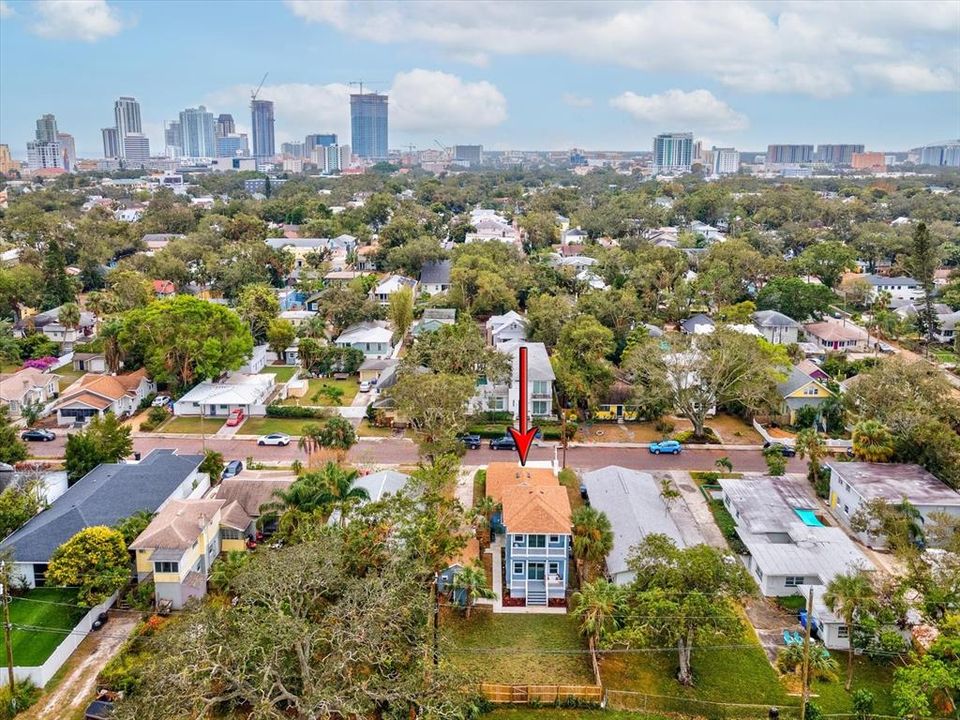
x=164, y=287
x=87, y=398
x=111, y=386
x=178, y=525
x=502, y=475
x=536, y=510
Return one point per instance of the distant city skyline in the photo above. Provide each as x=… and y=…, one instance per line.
x=603, y=76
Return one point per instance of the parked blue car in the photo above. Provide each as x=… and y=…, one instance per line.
x=665, y=446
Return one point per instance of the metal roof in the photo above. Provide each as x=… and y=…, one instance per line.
x=894, y=482
x=632, y=502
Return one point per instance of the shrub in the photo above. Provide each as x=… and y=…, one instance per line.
x=662, y=425
x=41, y=363
x=727, y=526
x=25, y=694
x=292, y=411
x=862, y=704
x=687, y=436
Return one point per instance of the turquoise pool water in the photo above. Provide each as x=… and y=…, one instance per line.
x=809, y=517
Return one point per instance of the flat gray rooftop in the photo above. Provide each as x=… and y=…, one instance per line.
x=894, y=482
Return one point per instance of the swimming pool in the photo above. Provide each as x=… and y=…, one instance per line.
x=809, y=517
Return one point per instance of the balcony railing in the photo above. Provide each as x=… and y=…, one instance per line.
x=524, y=551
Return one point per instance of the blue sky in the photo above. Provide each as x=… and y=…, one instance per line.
x=602, y=75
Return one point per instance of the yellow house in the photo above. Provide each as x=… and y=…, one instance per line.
x=616, y=411
x=178, y=547
x=800, y=390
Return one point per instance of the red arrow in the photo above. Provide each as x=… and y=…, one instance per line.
x=523, y=437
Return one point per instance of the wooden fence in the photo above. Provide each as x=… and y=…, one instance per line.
x=545, y=694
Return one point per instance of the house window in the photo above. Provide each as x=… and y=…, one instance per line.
x=166, y=567
x=759, y=574
x=537, y=541
x=846, y=509
x=843, y=631
x=541, y=387
x=230, y=534
x=540, y=408
x=554, y=539
x=518, y=568
x=810, y=391
x=554, y=568
x=519, y=540
x=535, y=571
x=793, y=580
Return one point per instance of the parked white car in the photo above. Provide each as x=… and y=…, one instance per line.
x=366, y=386
x=161, y=401
x=274, y=439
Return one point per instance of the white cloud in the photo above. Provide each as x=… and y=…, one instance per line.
x=421, y=101
x=5, y=9
x=87, y=20
x=576, y=101
x=679, y=110
x=792, y=46
x=429, y=100
x=905, y=77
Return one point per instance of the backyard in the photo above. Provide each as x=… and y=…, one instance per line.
x=41, y=607
x=282, y=372
x=314, y=396
x=516, y=649
x=68, y=376
x=735, y=675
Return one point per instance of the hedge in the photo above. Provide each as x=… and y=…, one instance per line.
x=495, y=430
x=294, y=411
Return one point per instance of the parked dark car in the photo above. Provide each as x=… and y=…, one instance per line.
x=232, y=468
x=471, y=441
x=100, y=621
x=785, y=450
x=503, y=443
x=38, y=435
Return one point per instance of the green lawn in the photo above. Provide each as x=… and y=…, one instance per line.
x=191, y=424
x=68, y=376
x=267, y=425
x=313, y=396
x=945, y=356
x=736, y=675
x=516, y=649
x=283, y=372
x=368, y=430
x=31, y=648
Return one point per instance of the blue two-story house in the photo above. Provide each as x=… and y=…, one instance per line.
x=537, y=530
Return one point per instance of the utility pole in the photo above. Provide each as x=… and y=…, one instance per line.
x=436, y=621
x=8, y=634
x=806, y=656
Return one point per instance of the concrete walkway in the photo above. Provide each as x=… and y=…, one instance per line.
x=464, y=489
x=699, y=509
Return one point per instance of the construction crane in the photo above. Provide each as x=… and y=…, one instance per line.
x=254, y=93
x=360, y=83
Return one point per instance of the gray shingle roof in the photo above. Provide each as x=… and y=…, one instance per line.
x=691, y=322
x=772, y=318
x=436, y=273
x=105, y=495
x=795, y=380
x=632, y=502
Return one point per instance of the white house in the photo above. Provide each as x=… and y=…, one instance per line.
x=509, y=327
x=788, y=544
x=250, y=393
x=256, y=362
x=392, y=284
x=297, y=317
x=49, y=324
x=373, y=338
x=505, y=397
x=899, y=288
x=95, y=395
x=490, y=225
x=435, y=277
x=776, y=327
x=27, y=387
x=854, y=484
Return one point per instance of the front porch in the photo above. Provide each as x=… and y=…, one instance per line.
x=534, y=595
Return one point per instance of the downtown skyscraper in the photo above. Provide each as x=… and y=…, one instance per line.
x=368, y=126
x=673, y=152
x=261, y=124
x=126, y=114
x=197, y=135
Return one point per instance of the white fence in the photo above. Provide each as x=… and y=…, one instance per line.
x=40, y=675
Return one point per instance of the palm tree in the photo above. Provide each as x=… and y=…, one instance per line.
x=330, y=488
x=336, y=434
x=472, y=580
x=724, y=464
x=311, y=438
x=342, y=493
x=810, y=445
x=69, y=316
x=872, y=441
x=598, y=606
x=226, y=568
x=484, y=508
x=850, y=596
x=592, y=539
